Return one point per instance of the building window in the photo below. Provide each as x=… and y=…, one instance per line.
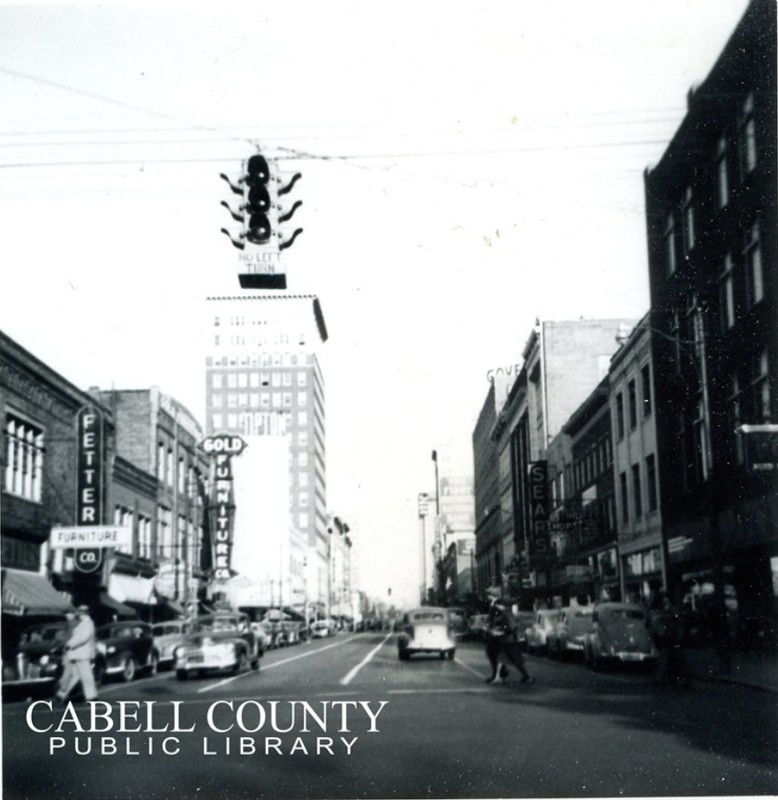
x=302, y=398
x=232, y=421
x=669, y=237
x=760, y=389
x=144, y=536
x=620, y=415
x=254, y=380
x=254, y=400
x=218, y=400
x=264, y=400
x=169, y=467
x=217, y=421
x=722, y=182
x=243, y=380
x=302, y=378
x=216, y=380
x=232, y=381
x=688, y=221
x=243, y=399
x=747, y=137
x=636, y=491
x=651, y=484
x=736, y=417
x=287, y=399
x=727, y=293
x=645, y=381
x=232, y=400
x=633, y=404
x=624, y=498
x=181, y=476
x=24, y=458
x=700, y=464
x=753, y=261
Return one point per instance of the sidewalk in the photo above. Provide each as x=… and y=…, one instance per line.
x=759, y=670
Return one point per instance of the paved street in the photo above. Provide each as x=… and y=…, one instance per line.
x=441, y=733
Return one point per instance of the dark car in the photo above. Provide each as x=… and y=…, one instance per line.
x=38, y=657
x=125, y=648
x=222, y=641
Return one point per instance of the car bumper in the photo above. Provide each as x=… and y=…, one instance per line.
x=206, y=659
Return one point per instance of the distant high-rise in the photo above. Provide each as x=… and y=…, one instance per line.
x=264, y=382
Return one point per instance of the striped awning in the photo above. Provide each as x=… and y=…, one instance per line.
x=31, y=594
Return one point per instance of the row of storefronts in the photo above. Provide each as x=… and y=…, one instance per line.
x=135, y=466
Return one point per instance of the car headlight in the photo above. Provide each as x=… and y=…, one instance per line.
x=44, y=660
x=111, y=649
x=101, y=648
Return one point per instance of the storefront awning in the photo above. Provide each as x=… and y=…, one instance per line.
x=129, y=588
x=116, y=608
x=30, y=594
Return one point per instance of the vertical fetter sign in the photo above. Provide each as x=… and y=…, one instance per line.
x=221, y=448
x=89, y=482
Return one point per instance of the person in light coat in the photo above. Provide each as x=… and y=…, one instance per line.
x=80, y=651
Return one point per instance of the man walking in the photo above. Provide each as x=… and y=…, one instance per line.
x=80, y=650
x=501, y=639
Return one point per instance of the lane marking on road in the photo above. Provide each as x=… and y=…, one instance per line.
x=461, y=690
x=280, y=663
x=348, y=678
x=467, y=667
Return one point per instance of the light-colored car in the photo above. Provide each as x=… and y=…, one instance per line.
x=221, y=641
x=321, y=629
x=569, y=632
x=426, y=630
x=167, y=636
x=537, y=634
x=619, y=633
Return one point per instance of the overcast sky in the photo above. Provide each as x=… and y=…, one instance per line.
x=466, y=168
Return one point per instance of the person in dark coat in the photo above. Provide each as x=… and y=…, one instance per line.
x=501, y=640
x=666, y=627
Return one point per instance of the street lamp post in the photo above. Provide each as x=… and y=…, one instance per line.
x=438, y=542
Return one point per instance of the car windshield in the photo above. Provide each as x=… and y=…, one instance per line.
x=223, y=625
x=428, y=617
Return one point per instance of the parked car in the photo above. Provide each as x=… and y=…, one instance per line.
x=38, y=656
x=543, y=624
x=167, y=636
x=523, y=620
x=619, y=633
x=263, y=632
x=426, y=630
x=221, y=641
x=321, y=629
x=124, y=648
x=568, y=634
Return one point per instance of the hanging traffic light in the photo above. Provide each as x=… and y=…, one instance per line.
x=262, y=214
x=257, y=203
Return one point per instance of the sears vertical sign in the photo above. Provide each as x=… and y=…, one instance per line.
x=540, y=544
x=89, y=482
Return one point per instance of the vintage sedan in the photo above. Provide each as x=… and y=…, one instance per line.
x=569, y=632
x=38, y=657
x=124, y=649
x=543, y=625
x=167, y=636
x=221, y=641
x=426, y=630
x=619, y=634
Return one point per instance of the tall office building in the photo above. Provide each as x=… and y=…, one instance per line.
x=264, y=383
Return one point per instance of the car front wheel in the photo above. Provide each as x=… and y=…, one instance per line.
x=241, y=663
x=129, y=668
